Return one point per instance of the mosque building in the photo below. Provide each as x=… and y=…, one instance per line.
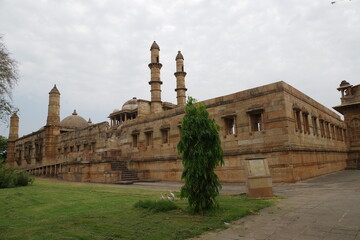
x=298, y=137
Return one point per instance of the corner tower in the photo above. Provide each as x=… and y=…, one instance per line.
x=13, y=135
x=180, y=80
x=155, y=82
x=14, y=127
x=350, y=108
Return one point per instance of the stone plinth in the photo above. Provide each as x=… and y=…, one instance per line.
x=259, y=180
x=259, y=187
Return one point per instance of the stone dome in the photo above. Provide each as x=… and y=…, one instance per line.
x=132, y=104
x=344, y=83
x=74, y=121
x=154, y=46
x=179, y=56
x=116, y=110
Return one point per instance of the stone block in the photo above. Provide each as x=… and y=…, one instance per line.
x=259, y=180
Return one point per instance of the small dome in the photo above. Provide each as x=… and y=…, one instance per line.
x=344, y=83
x=14, y=115
x=54, y=90
x=74, y=121
x=116, y=110
x=154, y=46
x=179, y=56
x=130, y=105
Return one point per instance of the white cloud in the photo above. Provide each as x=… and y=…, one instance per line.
x=97, y=51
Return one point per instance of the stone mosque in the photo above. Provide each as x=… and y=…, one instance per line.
x=298, y=137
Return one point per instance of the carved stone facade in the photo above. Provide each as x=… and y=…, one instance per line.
x=350, y=108
x=298, y=137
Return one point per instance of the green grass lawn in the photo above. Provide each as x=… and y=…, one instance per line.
x=57, y=210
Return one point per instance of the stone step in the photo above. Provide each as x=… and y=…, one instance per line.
x=125, y=182
x=126, y=174
x=352, y=168
x=127, y=177
x=353, y=164
x=128, y=180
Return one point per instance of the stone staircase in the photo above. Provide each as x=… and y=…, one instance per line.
x=127, y=176
x=353, y=164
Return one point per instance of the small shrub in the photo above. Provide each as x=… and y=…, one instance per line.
x=24, y=178
x=156, y=206
x=13, y=177
x=7, y=177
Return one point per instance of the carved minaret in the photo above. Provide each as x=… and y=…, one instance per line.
x=13, y=135
x=52, y=128
x=14, y=127
x=54, y=107
x=180, y=80
x=155, y=82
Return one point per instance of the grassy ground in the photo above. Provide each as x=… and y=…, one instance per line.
x=56, y=210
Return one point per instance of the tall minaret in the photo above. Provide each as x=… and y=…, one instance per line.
x=180, y=80
x=52, y=128
x=14, y=127
x=13, y=135
x=54, y=107
x=155, y=82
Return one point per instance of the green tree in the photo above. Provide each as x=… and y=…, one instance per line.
x=8, y=78
x=201, y=151
x=9, y=176
x=3, y=146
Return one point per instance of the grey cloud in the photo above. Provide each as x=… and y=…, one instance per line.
x=97, y=51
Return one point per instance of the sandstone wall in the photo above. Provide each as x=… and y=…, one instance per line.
x=30, y=150
x=299, y=137
x=293, y=155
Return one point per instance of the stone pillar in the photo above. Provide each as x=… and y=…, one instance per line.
x=13, y=135
x=155, y=82
x=180, y=80
x=259, y=180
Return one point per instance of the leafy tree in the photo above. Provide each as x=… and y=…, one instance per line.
x=8, y=78
x=3, y=146
x=10, y=176
x=200, y=148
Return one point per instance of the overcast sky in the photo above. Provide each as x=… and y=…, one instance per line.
x=97, y=51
